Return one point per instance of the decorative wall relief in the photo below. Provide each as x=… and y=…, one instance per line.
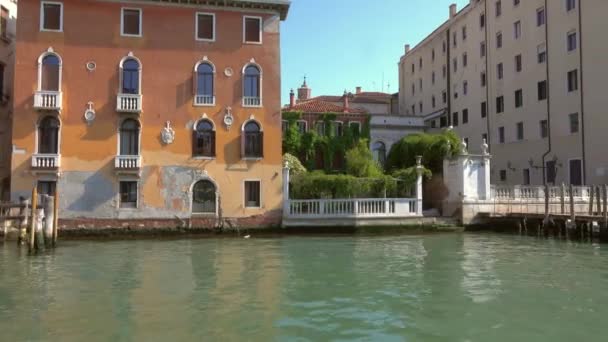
x=167, y=134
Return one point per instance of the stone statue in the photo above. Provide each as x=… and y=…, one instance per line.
x=167, y=134
x=485, y=148
x=464, y=148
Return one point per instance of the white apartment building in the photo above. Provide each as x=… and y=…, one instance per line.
x=528, y=76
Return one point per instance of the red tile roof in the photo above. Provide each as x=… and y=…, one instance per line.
x=365, y=97
x=317, y=106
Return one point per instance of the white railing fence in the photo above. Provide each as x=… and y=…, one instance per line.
x=526, y=192
x=353, y=208
x=46, y=161
x=127, y=162
x=128, y=103
x=47, y=100
x=204, y=100
x=250, y=101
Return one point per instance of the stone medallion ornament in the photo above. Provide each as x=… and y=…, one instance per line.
x=167, y=134
x=89, y=113
x=228, y=118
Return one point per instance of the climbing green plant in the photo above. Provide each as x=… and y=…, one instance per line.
x=433, y=148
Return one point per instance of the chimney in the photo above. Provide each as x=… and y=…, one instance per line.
x=359, y=90
x=453, y=10
x=407, y=48
x=345, y=100
x=292, y=99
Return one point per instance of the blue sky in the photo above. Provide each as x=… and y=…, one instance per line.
x=341, y=44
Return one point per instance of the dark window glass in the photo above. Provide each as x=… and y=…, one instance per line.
x=252, y=194
x=465, y=116
x=204, y=197
x=131, y=22
x=379, y=152
x=542, y=90
x=455, y=119
x=205, y=26
x=46, y=188
x=254, y=140
x=204, y=78
x=576, y=172
x=526, y=176
x=252, y=30
x=2, y=79
x=544, y=128
x=500, y=104
x=51, y=19
x=130, y=77
x=204, y=140
x=50, y=73
x=128, y=194
x=519, y=98
x=503, y=175
x=518, y=63
x=129, y=138
x=574, y=124
x=551, y=171
x=501, y=135
x=573, y=80
x=252, y=81
x=520, y=131
x=48, y=136
x=484, y=110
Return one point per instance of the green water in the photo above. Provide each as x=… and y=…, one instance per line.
x=396, y=288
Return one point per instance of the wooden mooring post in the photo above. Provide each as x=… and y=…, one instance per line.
x=598, y=197
x=55, y=217
x=562, y=198
x=591, y=199
x=33, y=219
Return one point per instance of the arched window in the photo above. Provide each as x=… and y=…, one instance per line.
x=204, y=198
x=251, y=86
x=129, y=138
x=379, y=151
x=48, y=136
x=203, y=139
x=253, y=140
x=50, y=72
x=204, y=80
x=130, y=74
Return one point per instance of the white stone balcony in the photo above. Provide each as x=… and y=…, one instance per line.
x=127, y=163
x=46, y=161
x=204, y=100
x=129, y=103
x=250, y=101
x=47, y=100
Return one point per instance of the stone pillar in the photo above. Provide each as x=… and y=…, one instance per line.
x=286, y=188
x=419, y=171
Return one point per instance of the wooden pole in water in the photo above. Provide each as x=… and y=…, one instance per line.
x=562, y=197
x=598, y=197
x=32, y=235
x=591, y=199
x=605, y=209
x=572, y=208
x=55, y=218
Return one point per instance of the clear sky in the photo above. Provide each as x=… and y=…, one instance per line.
x=341, y=44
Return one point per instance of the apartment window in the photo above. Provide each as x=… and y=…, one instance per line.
x=131, y=22
x=519, y=98
x=204, y=139
x=501, y=135
x=205, y=26
x=499, y=40
x=413, y=68
x=518, y=63
x=465, y=87
x=253, y=140
x=433, y=124
x=571, y=41
x=413, y=89
x=498, y=8
x=204, y=198
x=338, y=128
x=455, y=39
x=413, y=109
x=499, y=71
x=433, y=77
x=542, y=90
x=483, y=79
x=503, y=175
x=544, y=128
x=455, y=92
x=420, y=84
x=2, y=66
x=465, y=60
x=50, y=73
x=252, y=194
x=455, y=64
x=464, y=33
x=4, y=14
x=128, y=195
x=302, y=126
x=252, y=29
x=48, y=135
x=433, y=101
x=129, y=138
x=526, y=176
x=484, y=109
x=444, y=71
x=576, y=172
x=46, y=188
x=433, y=55
x=520, y=131
x=540, y=16
x=517, y=29
x=482, y=20
x=551, y=167
x=51, y=16
x=542, y=53
x=420, y=107
x=205, y=73
x=482, y=49
x=355, y=127
x=443, y=46
x=443, y=121
x=465, y=116
x=251, y=86
x=515, y=3
x=570, y=5
x=444, y=96
x=574, y=124
x=455, y=119
x=420, y=63
x=572, y=80
x=130, y=76
x=500, y=104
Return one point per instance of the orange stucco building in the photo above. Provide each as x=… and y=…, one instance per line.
x=150, y=112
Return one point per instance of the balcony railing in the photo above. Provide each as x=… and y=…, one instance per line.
x=128, y=103
x=46, y=161
x=47, y=100
x=204, y=100
x=250, y=101
x=352, y=208
x=127, y=162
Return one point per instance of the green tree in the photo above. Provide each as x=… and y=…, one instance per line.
x=360, y=161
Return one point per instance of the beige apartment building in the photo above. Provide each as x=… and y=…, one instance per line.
x=527, y=75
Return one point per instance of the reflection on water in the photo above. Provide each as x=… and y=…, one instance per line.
x=415, y=288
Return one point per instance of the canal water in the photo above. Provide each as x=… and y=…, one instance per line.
x=453, y=287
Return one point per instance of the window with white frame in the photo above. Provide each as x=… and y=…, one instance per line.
x=338, y=128
x=128, y=194
x=252, y=29
x=129, y=138
x=204, y=85
x=205, y=27
x=570, y=5
x=252, y=194
x=49, y=72
x=48, y=135
x=204, y=197
x=130, y=73
x=51, y=16
x=571, y=41
x=517, y=29
x=203, y=139
x=131, y=22
x=252, y=86
x=574, y=123
x=253, y=140
x=302, y=126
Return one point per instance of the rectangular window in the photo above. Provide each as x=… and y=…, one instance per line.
x=413, y=68
x=571, y=41
x=500, y=104
x=252, y=29
x=520, y=131
x=551, y=171
x=518, y=63
x=420, y=107
x=499, y=40
x=355, y=128
x=433, y=55
x=302, y=127
x=499, y=71
x=455, y=39
x=2, y=66
x=338, y=128
x=484, y=110
x=4, y=15
x=420, y=63
x=465, y=116
x=542, y=53
x=575, y=168
x=465, y=87
x=526, y=176
x=482, y=20
x=284, y=126
x=542, y=90
x=205, y=26
x=128, y=195
x=570, y=5
x=544, y=129
x=517, y=29
x=572, y=80
x=413, y=109
x=501, y=135
x=443, y=121
x=51, y=16
x=320, y=125
x=455, y=119
x=483, y=79
x=574, y=124
x=433, y=101
x=433, y=124
x=498, y=8
x=519, y=98
x=433, y=77
x=131, y=22
x=46, y=188
x=444, y=96
x=515, y=3
x=540, y=16
x=464, y=33
x=252, y=194
x=465, y=60
x=482, y=49
x=420, y=84
x=455, y=63
x=503, y=175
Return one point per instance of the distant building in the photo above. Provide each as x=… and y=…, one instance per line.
x=8, y=23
